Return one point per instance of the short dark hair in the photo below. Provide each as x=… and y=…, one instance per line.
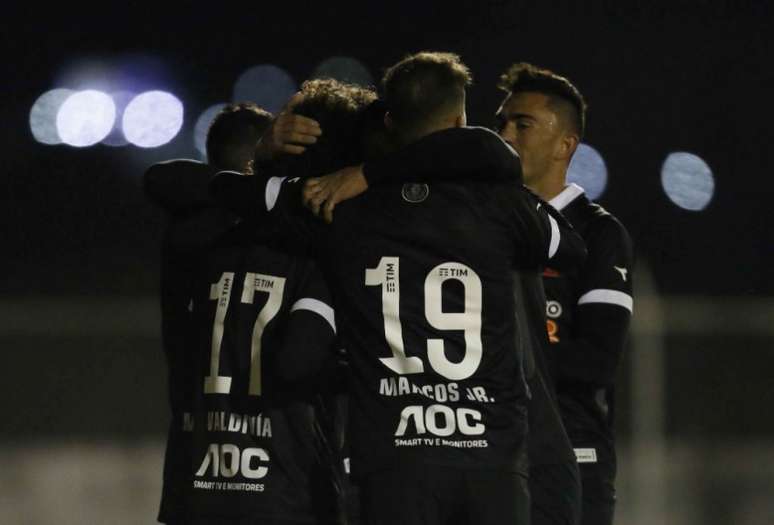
x=523, y=77
x=424, y=86
x=236, y=126
x=339, y=107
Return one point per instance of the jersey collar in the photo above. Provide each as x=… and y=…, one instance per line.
x=569, y=194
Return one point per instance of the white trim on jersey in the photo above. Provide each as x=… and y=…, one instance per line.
x=553, y=246
x=569, y=194
x=318, y=307
x=602, y=295
x=273, y=186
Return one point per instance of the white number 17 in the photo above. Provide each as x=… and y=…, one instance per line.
x=221, y=292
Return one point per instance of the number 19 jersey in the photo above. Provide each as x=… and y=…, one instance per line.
x=423, y=284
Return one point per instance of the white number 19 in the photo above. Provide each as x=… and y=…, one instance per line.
x=387, y=274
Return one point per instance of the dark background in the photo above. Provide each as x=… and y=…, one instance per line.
x=77, y=228
x=658, y=79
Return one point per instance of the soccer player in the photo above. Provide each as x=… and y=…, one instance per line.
x=265, y=334
x=179, y=187
x=554, y=479
x=422, y=283
x=543, y=118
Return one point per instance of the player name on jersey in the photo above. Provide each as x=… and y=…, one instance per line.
x=254, y=425
x=401, y=386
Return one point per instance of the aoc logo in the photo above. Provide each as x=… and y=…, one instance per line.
x=415, y=193
x=553, y=309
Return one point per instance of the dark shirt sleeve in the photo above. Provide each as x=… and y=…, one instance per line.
x=272, y=205
x=451, y=154
x=178, y=186
x=591, y=350
x=310, y=332
x=543, y=235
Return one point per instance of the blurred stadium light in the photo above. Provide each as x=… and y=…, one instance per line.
x=116, y=136
x=202, y=126
x=345, y=69
x=267, y=85
x=85, y=118
x=687, y=181
x=43, y=115
x=152, y=119
x=587, y=169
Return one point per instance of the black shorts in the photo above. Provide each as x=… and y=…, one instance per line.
x=555, y=491
x=598, y=485
x=439, y=495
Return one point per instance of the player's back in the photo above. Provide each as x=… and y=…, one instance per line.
x=423, y=285
x=256, y=448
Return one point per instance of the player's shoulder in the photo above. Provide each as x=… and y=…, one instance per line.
x=167, y=166
x=180, y=162
x=605, y=224
x=604, y=232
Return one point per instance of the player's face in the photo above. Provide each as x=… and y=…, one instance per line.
x=527, y=123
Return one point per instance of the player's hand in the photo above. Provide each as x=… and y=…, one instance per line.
x=288, y=133
x=322, y=194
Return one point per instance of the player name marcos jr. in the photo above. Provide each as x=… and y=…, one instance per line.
x=400, y=386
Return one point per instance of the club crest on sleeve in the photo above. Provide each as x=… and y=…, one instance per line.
x=415, y=193
x=553, y=309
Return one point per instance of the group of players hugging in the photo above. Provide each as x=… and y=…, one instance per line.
x=443, y=350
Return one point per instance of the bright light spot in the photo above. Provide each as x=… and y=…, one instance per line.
x=116, y=135
x=345, y=69
x=587, y=170
x=203, y=126
x=152, y=119
x=85, y=118
x=266, y=85
x=687, y=181
x=43, y=115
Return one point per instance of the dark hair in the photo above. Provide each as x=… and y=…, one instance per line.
x=377, y=140
x=523, y=77
x=235, y=127
x=424, y=86
x=339, y=108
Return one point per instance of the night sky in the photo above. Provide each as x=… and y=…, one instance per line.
x=658, y=80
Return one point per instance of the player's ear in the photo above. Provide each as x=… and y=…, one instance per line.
x=567, y=146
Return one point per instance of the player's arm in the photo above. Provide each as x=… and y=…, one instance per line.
x=310, y=333
x=591, y=349
x=449, y=154
x=469, y=153
x=542, y=234
x=178, y=186
x=271, y=204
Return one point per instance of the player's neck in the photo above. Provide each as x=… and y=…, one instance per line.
x=549, y=186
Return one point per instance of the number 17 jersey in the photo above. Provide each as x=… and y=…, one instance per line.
x=258, y=451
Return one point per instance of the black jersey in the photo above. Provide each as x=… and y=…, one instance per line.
x=258, y=448
x=423, y=289
x=179, y=187
x=588, y=316
x=548, y=441
x=422, y=282
x=454, y=153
